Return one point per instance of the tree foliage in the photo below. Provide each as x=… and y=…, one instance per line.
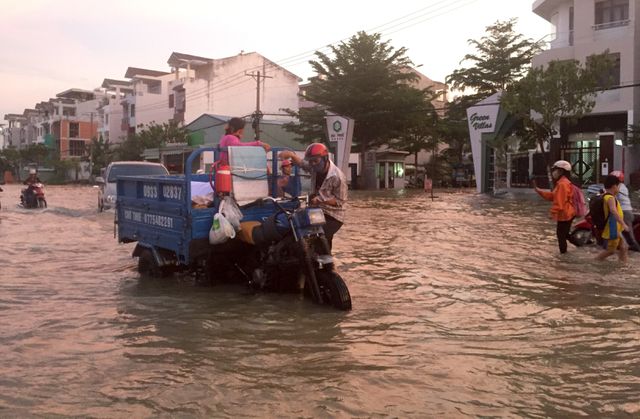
x=421, y=133
x=502, y=57
x=13, y=159
x=101, y=155
x=454, y=130
x=564, y=89
x=151, y=136
x=365, y=79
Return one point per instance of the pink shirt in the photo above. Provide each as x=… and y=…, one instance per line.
x=230, y=140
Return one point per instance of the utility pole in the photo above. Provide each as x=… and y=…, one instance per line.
x=90, y=143
x=257, y=115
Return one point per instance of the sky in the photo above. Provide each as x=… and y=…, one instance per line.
x=49, y=46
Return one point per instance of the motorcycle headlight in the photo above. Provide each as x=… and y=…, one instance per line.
x=111, y=199
x=316, y=217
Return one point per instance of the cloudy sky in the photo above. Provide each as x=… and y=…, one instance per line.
x=48, y=46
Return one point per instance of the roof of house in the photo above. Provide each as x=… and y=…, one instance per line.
x=268, y=61
x=177, y=59
x=135, y=71
x=107, y=83
x=76, y=94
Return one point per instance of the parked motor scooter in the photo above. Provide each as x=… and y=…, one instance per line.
x=33, y=196
x=585, y=232
x=292, y=247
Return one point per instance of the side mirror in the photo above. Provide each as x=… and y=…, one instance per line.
x=100, y=180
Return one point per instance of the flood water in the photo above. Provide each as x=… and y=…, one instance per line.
x=462, y=307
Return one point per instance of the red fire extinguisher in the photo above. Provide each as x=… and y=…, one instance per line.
x=223, y=178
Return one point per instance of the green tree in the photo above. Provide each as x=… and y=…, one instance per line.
x=502, y=57
x=101, y=155
x=367, y=80
x=34, y=153
x=420, y=134
x=151, y=136
x=563, y=90
x=454, y=130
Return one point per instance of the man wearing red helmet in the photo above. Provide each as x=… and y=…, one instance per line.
x=328, y=182
x=627, y=210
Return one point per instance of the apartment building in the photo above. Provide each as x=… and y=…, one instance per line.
x=149, y=100
x=596, y=144
x=14, y=131
x=110, y=110
x=234, y=86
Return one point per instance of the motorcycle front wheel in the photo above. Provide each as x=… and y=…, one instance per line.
x=41, y=203
x=581, y=237
x=334, y=290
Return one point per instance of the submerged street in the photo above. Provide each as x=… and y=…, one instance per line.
x=462, y=306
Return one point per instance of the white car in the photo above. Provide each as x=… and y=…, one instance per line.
x=107, y=182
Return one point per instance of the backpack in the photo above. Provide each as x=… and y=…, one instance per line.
x=596, y=210
x=578, y=201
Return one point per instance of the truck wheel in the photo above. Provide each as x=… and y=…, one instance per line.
x=147, y=265
x=334, y=290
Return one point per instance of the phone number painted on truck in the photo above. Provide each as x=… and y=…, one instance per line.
x=170, y=192
x=149, y=219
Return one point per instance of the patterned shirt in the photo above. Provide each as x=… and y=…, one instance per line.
x=334, y=186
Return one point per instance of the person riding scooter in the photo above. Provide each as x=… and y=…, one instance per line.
x=29, y=194
x=328, y=182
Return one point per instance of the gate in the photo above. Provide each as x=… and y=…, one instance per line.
x=584, y=161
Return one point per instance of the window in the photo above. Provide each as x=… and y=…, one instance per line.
x=571, y=25
x=76, y=148
x=74, y=130
x=171, y=100
x=613, y=76
x=133, y=110
x=611, y=13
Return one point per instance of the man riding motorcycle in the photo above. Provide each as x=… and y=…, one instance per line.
x=328, y=182
x=29, y=194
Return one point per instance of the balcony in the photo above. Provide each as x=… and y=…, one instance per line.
x=609, y=25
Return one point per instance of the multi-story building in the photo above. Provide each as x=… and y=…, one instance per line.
x=71, y=121
x=596, y=144
x=110, y=110
x=148, y=100
x=235, y=86
x=14, y=132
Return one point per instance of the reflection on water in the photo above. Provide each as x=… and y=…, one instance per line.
x=462, y=307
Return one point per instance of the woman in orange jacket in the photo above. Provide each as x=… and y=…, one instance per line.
x=562, y=209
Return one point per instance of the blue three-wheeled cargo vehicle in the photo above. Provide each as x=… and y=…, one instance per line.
x=277, y=244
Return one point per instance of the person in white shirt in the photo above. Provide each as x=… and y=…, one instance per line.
x=627, y=211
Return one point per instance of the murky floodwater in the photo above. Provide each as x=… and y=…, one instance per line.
x=462, y=307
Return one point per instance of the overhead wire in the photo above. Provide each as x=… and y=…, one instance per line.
x=303, y=57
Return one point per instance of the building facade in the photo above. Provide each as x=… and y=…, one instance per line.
x=597, y=144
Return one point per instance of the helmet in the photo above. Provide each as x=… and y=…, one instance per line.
x=562, y=164
x=316, y=150
x=32, y=171
x=619, y=174
x=285, y=163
